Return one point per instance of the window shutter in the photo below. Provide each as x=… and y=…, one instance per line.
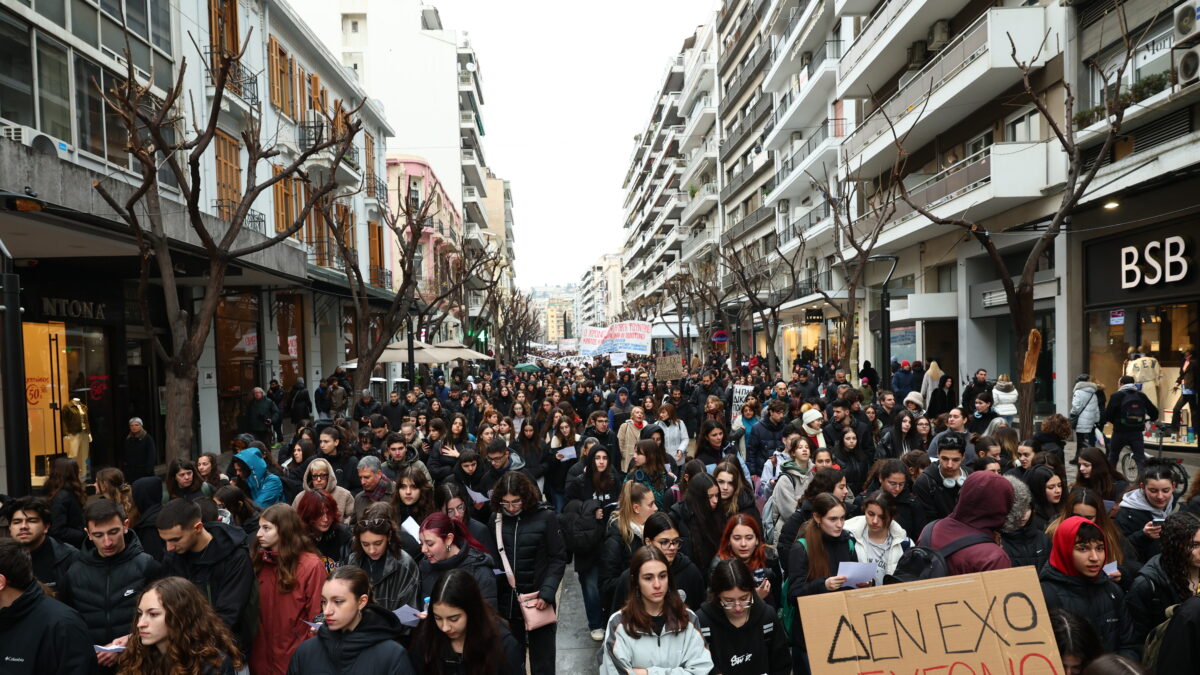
x=273, y=71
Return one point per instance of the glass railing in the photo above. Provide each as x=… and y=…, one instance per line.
x=869, y=34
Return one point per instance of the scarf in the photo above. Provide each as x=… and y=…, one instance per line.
x=381, y=490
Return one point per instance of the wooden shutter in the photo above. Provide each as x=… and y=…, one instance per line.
x=314, y=90
x=273, y=72
x=285, y=76
x=229, y=172
x=369, y=152
x=301, y=88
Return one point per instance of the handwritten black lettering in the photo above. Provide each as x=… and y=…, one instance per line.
x=942, y=626
x=875, y=656
x=861, y=653
x=1032, y=613
x=899, y=626
x=984, y=624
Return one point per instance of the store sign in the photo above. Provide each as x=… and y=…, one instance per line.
x=814, y=315
x=1155, y=264
x=1116, y=317
x=720, y=337
x=65, y=308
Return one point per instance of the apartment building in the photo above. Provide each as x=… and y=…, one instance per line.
x=598, y=298
x=282, y=312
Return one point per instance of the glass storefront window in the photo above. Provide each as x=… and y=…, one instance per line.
x=239, y=361
x=289, y=325
x=1160, y=332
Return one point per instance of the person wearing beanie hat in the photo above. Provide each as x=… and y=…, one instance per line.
x=619, y=411
x=810, y=423
x=903, y=380
x=1075, y=580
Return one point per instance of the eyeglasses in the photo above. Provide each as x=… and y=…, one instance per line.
x=319, y=475
x=496, y=460
x=510, y=503
x=372, y=522
x=456, y=510
x=669, y=543
x=737, y=604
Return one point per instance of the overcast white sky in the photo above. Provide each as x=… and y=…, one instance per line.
x=566, y=86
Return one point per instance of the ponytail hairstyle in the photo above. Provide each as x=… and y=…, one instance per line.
x=110, y=483
x=823, y=481
x=818, y=560
x=356, y=578
x=632, y=492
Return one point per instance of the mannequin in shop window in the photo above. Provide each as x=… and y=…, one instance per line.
x=1144, y=370
x=77, y=435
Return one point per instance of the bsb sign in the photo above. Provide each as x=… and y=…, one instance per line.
x=1150, y=265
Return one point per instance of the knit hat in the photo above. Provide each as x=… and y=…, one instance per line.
x=905, y=364
x=811, y=415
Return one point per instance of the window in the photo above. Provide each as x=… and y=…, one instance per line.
x=301, y=95
x=55, y=10
x=285, y=200
x=375, y=237
x=279, y=69
x=353, y=26
x=229, y=174
x=369, y=152
x=1022, y=127
x=223, y=26
x=54, y=90
x=980, y=143
x=947, y=279
x=89, y=107
x=16, y=72
x=115, y=135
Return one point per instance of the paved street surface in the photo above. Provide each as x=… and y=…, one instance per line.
x=576, y=649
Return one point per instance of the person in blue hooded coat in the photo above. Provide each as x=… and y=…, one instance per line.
x=251, y=474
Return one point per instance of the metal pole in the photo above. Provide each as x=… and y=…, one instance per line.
x=412, y=366
x=16, y=424
x=885, y=329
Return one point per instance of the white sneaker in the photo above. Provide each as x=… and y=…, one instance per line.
x=598, y=634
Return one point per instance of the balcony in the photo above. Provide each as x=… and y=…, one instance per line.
x=737, y=87
x=989, y=182
x=377, y=189
x=701, y=203
x=741, y=178
x=817, y=155
x=473, y=204
x=781, y=65
x=754, y=219
x=470, y=125
x=468, y=88
x=698, y=77
x=700, y=158
x=973, y=68
x=698, y=243
x=741, y=130
x=473, y=169
x=809, y=97
x=804, y=226
x=325, y=253
x=699, y=121
x=381, y=277
x=241, y=81
x=472, y=236
x=734, y=42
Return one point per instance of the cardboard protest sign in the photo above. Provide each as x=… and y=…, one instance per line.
x=668, y=367
x=740, y=393
x=992, y=623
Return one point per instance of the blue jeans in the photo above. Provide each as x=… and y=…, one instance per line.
x=589, y=583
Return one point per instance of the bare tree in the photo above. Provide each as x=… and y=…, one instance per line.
x=1018, y=289
x=157, y=135
x=519, y=328
x=854, y=239
x=766, y=283
x=673, y=298
x=707, y=296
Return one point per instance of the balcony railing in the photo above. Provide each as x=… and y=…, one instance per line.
x=309, y=134
x=377, y=188
x=469, y=155
x=696, y=242
x=949, y=61
x=834, y=127
x=751, y=67
x=742, y=129
x=325, y=253
x=971, y=172
x=381, y=277
x=350, y=156
x=241, y=81
x=739, y=181
x=793, y=22
x=256, y=221
x=733, y=43
x=869, y=34
x=802, y=224
x=755, y=218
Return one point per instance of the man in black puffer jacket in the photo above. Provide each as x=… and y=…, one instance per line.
x=103, y=586
x=598, y=429
x=38, y=634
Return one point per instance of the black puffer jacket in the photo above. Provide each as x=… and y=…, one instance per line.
x=535, y=551
x=608, y=440
x=369, y=649
x=398, y=581
x=469, y=559
x=66, y=518
x=937, y=500
x=1149, y=597
x=1099, y=600
x=1029, y=545
x=614, y=567
x=39, y=634
x=51, y=561
x=583, y=533
x=757, y=646
x=223, y=573
x=105, y=590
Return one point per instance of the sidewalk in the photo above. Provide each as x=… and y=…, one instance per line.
x=576, y=651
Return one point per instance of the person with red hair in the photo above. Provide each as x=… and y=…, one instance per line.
x=322, y=523
x=743, y=539
x=446, y=545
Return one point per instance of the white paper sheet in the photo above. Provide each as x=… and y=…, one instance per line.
x=568, y=453
x=101, y=649
x=476, y=497
x=1111, y=568
x=857, y=572
x=412, y=527
x=408, y=616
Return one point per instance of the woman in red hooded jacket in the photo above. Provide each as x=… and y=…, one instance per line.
x=290, y=576
x=1075, y=580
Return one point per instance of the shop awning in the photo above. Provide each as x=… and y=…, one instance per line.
x=670, y=331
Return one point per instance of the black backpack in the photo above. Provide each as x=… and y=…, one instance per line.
x=926, y=562
x=1133, y=409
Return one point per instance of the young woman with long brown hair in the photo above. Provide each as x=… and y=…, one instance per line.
x=653, y=609
x=413, y=499
x=462, y=634
x=110, y=484
x=289, y=575
x=177, y=631
x=813, y=564
x=743, y=539
x=650, y=469
x=65, y=492
x=395, y=581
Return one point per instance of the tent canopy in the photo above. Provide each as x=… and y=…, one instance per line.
x=669, y=329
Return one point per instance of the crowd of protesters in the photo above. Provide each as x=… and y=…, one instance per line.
x=432, y=533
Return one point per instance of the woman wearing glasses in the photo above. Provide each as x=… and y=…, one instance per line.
x=740, y=629
x=659, y=532
x=654, y=631
x=452, y=499
x=446, y=546
x=533, y=557
x=393, y=573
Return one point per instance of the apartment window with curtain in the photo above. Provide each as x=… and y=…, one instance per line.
x=229, y=174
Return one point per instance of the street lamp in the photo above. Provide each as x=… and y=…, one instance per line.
x=417, y=259
x=885, y=317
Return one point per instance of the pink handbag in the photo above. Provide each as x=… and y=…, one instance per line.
x=534, y=618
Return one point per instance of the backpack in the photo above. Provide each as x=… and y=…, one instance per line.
x=787, y=612
x=1132, y=411
x=769, y=510
x=1154, y=641
x=926, y=562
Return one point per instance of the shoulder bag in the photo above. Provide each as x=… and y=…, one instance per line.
x=534, y=618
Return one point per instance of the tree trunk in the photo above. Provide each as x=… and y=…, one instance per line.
x=772, y=358
x=180, y=402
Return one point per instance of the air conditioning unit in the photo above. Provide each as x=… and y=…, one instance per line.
x=1187, y=22
x=939, y=34
x=32, y=138
x=1189, y=67
x=917, y=54
x=784, y=206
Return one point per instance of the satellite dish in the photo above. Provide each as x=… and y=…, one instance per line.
x=471, y=67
